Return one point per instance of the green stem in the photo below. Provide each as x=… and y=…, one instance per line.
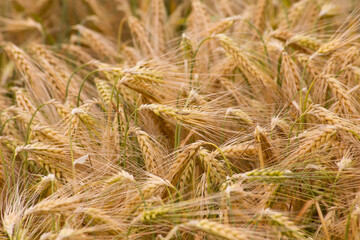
x=261, y=39
x=121, y=25
x=293, y=125
x=27, y=136
x=3, y=126
x=348, y=222
x=223, y=155
x=194, y=59
x=72, y=153
x=71, y=76
x=83, y=83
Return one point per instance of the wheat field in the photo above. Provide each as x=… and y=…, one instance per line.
x=169, y=119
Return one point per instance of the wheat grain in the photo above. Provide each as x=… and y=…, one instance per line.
x=217, y=229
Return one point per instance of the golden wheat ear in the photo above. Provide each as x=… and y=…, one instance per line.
x=140, y=35
x=34, y=78
x=102, y=46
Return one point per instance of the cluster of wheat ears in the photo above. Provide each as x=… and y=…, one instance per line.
x=167, y=119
